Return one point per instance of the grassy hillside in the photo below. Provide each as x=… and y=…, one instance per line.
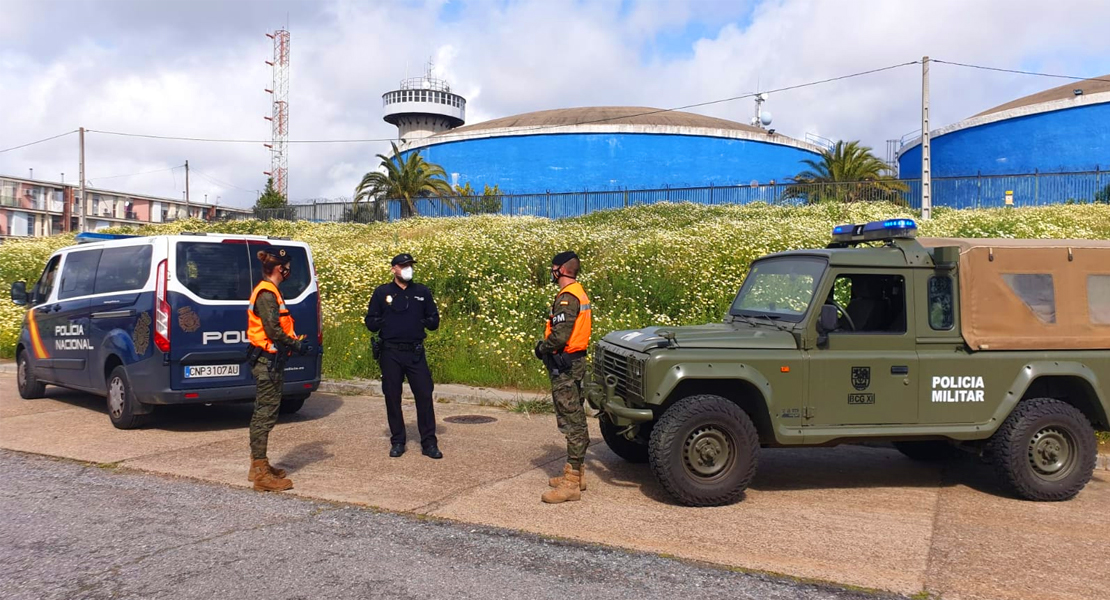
x=662, y=264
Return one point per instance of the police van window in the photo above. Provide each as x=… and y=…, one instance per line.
x=1036, y=291
x=214, y=271
x=1098, y=299
x=941, y=315
x=123, y=269
x=45, y=285
x=299, y=273
x=78, y=274
x=873, y=303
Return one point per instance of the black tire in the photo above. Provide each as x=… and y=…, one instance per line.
x=291, y=404
x=122, y=403
x=687, y=445
x=1045, y=450
x=634, y=451
x=929, y=450
x=29, y=387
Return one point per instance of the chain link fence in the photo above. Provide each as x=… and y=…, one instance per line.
x=987, y=191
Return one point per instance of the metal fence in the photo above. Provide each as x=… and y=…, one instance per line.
x=987, y=191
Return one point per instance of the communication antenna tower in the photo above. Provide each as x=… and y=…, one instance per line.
x=279, y=113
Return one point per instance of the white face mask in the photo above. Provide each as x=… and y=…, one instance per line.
x=406, y=273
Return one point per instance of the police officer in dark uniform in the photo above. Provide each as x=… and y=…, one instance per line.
x=399, y=312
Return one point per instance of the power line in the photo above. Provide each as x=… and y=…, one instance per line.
x=38, y=142
x=223, y=183
x=448, y=136
x=1018, y=71
x=135, y=174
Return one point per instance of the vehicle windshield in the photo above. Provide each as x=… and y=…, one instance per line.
x=779, y=288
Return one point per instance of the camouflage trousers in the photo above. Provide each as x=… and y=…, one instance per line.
x=566, y=392
x=267, y=403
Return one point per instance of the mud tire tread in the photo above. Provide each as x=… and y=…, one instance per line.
x=667, y=441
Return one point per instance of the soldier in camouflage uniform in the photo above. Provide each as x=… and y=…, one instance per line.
x=563, y=351
x=271, y=334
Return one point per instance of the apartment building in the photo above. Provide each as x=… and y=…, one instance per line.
x=31, y=207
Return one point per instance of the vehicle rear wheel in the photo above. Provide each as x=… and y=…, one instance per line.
x=929, y=450
x=704, y=451
x=634, y=451
x=29, y=387
x=1045, y=450
x=291, y=404
x=122, y=403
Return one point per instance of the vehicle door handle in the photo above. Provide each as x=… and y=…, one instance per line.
x=900, y=370
x=55, y=308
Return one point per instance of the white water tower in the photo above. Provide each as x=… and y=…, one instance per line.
x=423, y=106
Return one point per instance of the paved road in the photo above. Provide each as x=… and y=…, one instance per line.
x=77, y=531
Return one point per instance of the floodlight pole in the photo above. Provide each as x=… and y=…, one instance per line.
x=926, y=158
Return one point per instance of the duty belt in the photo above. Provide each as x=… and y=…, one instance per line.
x=575, y=355
x=404, y=346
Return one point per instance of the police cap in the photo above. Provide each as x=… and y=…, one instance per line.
x=278, y=254
x=562, y=257
x=403, y=259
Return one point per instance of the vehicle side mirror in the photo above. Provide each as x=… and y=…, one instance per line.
x=19, y=293
x=826, y=322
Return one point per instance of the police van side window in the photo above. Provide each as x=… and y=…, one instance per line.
x=299, y=273
x=873, y=303
x=123, y=269
x=941, y=315
x=45, y=285
x=78, y=274
x=215, y=271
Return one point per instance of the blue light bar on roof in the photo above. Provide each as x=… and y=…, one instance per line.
x=88, y=236
x=876, y=231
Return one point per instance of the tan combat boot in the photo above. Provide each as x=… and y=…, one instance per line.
x=557, y=481
x=568, y=490
x=264, y=480
x=279, y=473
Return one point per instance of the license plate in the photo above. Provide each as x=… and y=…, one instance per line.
x=198, y=371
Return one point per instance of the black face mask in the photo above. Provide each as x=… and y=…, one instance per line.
x=555, y=276
x=284, y=273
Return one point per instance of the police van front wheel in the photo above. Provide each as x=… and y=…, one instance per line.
x=1045, y=450
x=29, y=387
x=122, y=404
x=704, y=451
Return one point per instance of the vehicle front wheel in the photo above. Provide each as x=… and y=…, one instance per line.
x=291, y=404
x=704, y=451
x=29, y=387
x=122, y=403
x=929, y=450
x=1045, y=450
x=634, y=451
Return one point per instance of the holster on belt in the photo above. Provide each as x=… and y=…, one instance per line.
x=253, y=354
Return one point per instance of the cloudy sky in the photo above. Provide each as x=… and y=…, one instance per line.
x=196, y=69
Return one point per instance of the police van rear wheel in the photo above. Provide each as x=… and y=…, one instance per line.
x=704, y=451
x=634, y=451
x=1045, y=450
x=29, y=387
x=291, y=404
x=122, y=401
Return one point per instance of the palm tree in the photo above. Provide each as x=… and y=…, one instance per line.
x=404, y=179
x=847, y=172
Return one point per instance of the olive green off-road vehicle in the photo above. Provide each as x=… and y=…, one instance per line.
x=995, y=347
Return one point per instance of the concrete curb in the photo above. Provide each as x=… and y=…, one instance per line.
x=444, y=392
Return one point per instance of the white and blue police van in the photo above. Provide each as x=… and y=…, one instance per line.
x=148, y=321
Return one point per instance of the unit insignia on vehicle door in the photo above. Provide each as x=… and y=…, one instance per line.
x=187, y=319
x=861, y=378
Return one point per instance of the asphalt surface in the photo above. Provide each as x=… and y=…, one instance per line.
x=73, y=530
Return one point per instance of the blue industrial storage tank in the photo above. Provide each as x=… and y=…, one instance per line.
x=591, y=148
x=1061, y=130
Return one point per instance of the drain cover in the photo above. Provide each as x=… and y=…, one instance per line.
x=470, y=419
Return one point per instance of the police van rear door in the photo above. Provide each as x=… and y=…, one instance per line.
x=209, y=291
x=302, y=299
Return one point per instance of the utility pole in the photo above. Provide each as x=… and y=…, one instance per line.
x=186, y=189
x=81, y=202
x=926, y=151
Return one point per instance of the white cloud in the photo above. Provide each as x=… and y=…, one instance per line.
x=197, y=70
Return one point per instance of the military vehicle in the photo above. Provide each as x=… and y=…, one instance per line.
x=997, y=347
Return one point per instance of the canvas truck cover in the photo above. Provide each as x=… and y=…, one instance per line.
x=1032, y=294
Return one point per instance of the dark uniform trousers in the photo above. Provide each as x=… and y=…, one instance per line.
x=398, y=365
